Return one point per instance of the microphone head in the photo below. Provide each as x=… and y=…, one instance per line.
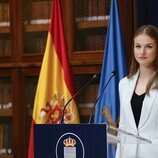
x=113, y=73
x=97, y=75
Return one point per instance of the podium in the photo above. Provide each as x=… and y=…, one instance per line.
x=70, y=141
x=129, y=145
x=89, y=141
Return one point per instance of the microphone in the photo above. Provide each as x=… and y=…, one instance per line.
x=97, y=75
x=113, y=73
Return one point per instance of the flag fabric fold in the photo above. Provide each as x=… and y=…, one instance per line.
x=55, y=84
x=107, y=108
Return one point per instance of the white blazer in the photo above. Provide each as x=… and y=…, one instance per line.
x=148, y=124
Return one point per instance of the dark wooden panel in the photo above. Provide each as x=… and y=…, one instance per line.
x=127, y=18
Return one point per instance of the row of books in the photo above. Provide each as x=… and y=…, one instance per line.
x=6, y=138
x=4, y=12
x=5, y=47
x=90, y=42
x=6, y=106
x=5, y=93
x=38, y=12
x=41, y=9
x=39, y=21
x=91, y=10
x=30, y=91
x=88, y=95
x=93, y=18
x=35, y=45
x=85, y=10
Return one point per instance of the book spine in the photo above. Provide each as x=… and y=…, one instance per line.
x=7, y=94
x=41, y=10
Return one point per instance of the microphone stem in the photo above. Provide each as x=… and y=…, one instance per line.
x=63, y=111
x=91, y=115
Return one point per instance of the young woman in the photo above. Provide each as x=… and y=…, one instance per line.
x=139, y=97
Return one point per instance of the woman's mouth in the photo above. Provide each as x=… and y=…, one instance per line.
x=142, y=58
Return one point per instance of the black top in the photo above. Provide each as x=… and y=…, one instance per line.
x=136, y=103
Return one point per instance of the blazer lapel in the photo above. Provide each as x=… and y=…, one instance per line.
x=132, y=84
x=147, y=106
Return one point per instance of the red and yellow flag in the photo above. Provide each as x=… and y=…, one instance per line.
x=55, y=83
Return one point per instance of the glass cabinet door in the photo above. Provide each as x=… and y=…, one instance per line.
x=29, y=91
x=35, y=20
x=6, y=117
x=90, y=22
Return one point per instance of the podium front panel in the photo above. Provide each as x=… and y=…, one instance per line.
x=70, y=141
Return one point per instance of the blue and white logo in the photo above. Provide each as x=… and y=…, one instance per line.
x=69, y=145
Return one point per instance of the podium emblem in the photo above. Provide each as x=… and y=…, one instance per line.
x=69, y=148
x=69, y=145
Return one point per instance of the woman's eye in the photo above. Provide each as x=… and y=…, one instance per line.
x=137, y=46
x=149, y=47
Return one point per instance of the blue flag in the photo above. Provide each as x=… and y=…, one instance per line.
x=108, y=108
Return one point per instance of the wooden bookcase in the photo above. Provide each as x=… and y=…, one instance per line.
x=6, y=112
x=24, y=27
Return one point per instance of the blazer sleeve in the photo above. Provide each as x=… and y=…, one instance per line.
x=122, y=117
x=122, y=113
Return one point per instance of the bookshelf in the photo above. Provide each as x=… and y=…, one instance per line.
x=24, y=27
x=6, y=148
x=6, y=113
x=29, y=79
x=5, y=42
x=35, y=21
x=88, y=30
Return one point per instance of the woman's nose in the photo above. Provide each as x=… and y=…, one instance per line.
x=142, y=51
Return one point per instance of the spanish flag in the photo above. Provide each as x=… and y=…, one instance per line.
x=55, y=86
